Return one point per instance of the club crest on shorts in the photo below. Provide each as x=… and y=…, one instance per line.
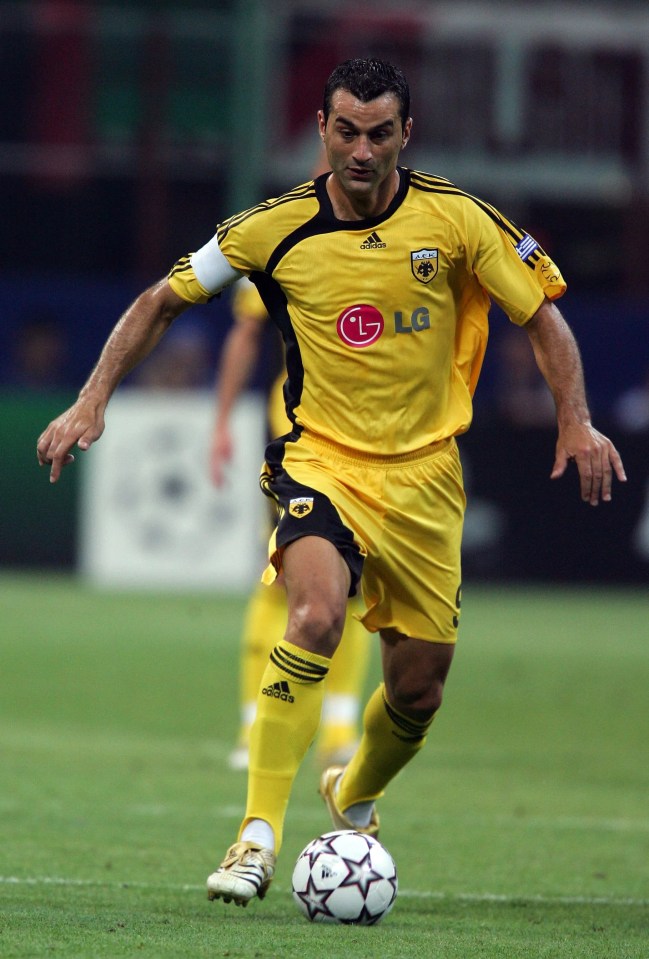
x=423, y=264
x=300, y=506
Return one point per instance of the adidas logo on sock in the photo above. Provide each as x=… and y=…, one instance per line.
x=280, y=690
x=373, y=242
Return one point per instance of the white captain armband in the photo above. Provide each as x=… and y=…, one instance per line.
x=211, y=268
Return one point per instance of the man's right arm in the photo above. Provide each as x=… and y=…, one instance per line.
x=134, y=336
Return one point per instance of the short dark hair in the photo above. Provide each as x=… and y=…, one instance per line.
x=367, y=80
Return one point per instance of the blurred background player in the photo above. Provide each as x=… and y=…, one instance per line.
x=631, y=409
x=266, y=614
x=185, y=361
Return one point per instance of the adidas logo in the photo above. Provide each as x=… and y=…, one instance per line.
x=279, y=690
x=373, y=242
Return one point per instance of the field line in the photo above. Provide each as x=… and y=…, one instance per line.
x=469, y=897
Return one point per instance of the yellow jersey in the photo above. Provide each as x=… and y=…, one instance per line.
x=384, y=320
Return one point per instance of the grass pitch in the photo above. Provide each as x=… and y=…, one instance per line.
x=521, y=830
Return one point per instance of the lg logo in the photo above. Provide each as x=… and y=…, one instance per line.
x=358, y=326
x=361, y=325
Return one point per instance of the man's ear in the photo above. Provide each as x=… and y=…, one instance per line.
x=407, y=129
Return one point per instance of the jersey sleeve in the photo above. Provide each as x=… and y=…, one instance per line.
x=184, y=282
x=202, y=275
x=512, y=267
x=242, y=245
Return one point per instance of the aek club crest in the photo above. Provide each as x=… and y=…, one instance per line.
x=300, y=506
x=424, y=264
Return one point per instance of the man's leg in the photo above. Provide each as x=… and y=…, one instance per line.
x=288, y=712
x=395, y=723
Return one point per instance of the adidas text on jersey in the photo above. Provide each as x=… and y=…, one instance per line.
x=373, y=242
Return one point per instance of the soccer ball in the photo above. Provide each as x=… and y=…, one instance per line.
x=345, y=877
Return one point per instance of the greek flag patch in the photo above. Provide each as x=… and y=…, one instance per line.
x=525, y=247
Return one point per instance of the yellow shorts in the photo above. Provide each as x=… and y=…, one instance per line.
x=399, y=518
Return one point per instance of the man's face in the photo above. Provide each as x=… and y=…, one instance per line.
x=363, y=140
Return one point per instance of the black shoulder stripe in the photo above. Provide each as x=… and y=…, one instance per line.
x=299, y=193
x=439, y=185
x=180, y=265
x=417, y=177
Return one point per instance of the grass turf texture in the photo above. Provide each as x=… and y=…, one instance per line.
x=521, y=830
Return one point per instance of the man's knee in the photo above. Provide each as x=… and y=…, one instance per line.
x=316, y=625
x=415, y=672
x=418, y=699
x=317, y=583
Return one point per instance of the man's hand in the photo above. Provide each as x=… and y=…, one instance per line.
x=221, y=451
x=596, y=459
x=557, y=356
x=132, y=339
x=82, y=424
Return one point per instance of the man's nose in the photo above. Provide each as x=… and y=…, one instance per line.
x=363, y=149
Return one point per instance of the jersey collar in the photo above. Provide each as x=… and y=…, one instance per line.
x=326, y=209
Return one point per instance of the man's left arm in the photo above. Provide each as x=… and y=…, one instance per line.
x=558, y=358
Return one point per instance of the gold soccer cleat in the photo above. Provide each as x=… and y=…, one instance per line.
x=327, y=790
x=246, y=872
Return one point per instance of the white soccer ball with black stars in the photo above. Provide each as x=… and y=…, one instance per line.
x=345, y=877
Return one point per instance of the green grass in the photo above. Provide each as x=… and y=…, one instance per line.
x=522, y=830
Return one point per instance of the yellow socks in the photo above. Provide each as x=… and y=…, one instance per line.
x=389, y=742
x=265, y=619
x=264, y=624
x=288, y=714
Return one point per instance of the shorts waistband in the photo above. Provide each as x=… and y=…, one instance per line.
x=340, y=452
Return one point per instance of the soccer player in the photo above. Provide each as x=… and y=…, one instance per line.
x=266, y=612
x=380, y=279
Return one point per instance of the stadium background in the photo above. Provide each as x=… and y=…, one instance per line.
x=127, y=130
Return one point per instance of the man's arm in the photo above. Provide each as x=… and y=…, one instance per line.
x=558, y=359
x=238, y=358
x=132, y=339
